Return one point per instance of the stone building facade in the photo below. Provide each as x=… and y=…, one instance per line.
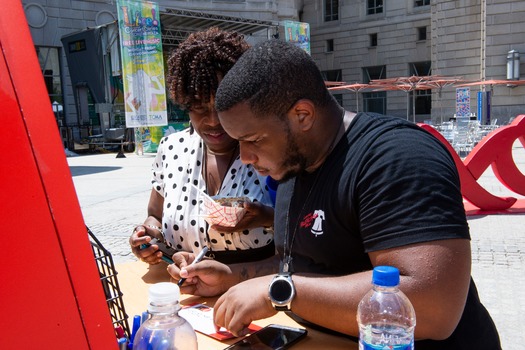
x=352, y=41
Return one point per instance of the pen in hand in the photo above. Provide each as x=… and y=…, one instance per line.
x=199, y=257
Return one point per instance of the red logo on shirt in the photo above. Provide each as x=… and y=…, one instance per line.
x=307, y=220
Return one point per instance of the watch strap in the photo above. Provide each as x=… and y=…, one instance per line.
x=282, y=308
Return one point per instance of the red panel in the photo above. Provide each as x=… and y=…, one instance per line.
x=496, y=150
x=35, y=283
x=470, y=188
x=51, y=292
x=493, y=150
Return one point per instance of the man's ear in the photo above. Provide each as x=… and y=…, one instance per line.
x=302, y=115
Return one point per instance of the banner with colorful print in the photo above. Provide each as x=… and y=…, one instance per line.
x=142, y=63
x=297, y=33
x=462, y=102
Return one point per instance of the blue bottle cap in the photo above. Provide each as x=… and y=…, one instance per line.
x=386, y=276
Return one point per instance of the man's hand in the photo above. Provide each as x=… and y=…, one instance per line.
x=141, y=236
x=242, y=304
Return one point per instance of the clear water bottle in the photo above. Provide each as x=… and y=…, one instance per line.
x=165, y=329
x=385, y=316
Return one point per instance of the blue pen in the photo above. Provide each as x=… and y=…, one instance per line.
x=122, y=343
x=136, y=326
x=145, y=316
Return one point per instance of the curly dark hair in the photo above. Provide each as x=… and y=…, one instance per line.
x=193, y=67
x=271, y=76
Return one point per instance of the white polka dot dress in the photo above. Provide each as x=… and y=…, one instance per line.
x=178, y=164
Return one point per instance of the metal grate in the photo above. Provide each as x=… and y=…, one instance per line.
x=108, y=277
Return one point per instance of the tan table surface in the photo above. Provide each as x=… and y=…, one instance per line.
x=134, y=279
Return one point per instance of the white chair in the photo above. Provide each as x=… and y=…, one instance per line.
x=463, y=142
x=447, y=130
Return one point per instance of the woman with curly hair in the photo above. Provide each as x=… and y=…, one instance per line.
x=205, y=157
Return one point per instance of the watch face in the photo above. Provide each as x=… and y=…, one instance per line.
x=281, y=290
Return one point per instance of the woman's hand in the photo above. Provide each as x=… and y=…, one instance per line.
x=205, y=278
x=142, y=235
x=256, y=215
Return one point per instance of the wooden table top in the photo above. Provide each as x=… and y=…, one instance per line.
x=135, y=277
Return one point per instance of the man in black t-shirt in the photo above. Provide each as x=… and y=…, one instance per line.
x=356, y=191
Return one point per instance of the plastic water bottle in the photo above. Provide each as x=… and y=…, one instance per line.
x=165, y=329
x=385, y=316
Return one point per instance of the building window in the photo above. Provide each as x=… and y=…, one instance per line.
x=374, y=101
x=374, y=6
x=333, y=75
x=423, y=101
x=420, y=68
x=49, y=59
x=373, y=39
x=330, y=45
x=418, y=3
x=422, y=33
x=331, y=10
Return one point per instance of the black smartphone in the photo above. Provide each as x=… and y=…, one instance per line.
x=271, y=337
x=167, y=251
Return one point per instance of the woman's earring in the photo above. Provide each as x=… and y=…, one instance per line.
x=192, y=129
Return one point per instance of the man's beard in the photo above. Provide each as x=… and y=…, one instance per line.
x=294, y=161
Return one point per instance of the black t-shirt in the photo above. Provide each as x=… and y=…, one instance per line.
x=387, y=183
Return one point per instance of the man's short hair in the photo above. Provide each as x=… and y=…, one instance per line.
x=271, y=76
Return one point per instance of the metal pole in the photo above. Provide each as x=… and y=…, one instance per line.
x=414, y=105
x=408, y=105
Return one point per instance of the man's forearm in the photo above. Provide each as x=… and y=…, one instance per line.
x=330, y=302
x=245, y=271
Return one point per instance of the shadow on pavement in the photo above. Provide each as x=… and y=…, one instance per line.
x=77, y=170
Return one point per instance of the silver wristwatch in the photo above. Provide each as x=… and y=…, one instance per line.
x=281, y=291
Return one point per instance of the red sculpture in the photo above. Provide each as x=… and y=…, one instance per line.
x=494, y=150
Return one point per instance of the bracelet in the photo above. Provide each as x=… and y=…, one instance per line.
x=154, y=227
x=150, y=226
